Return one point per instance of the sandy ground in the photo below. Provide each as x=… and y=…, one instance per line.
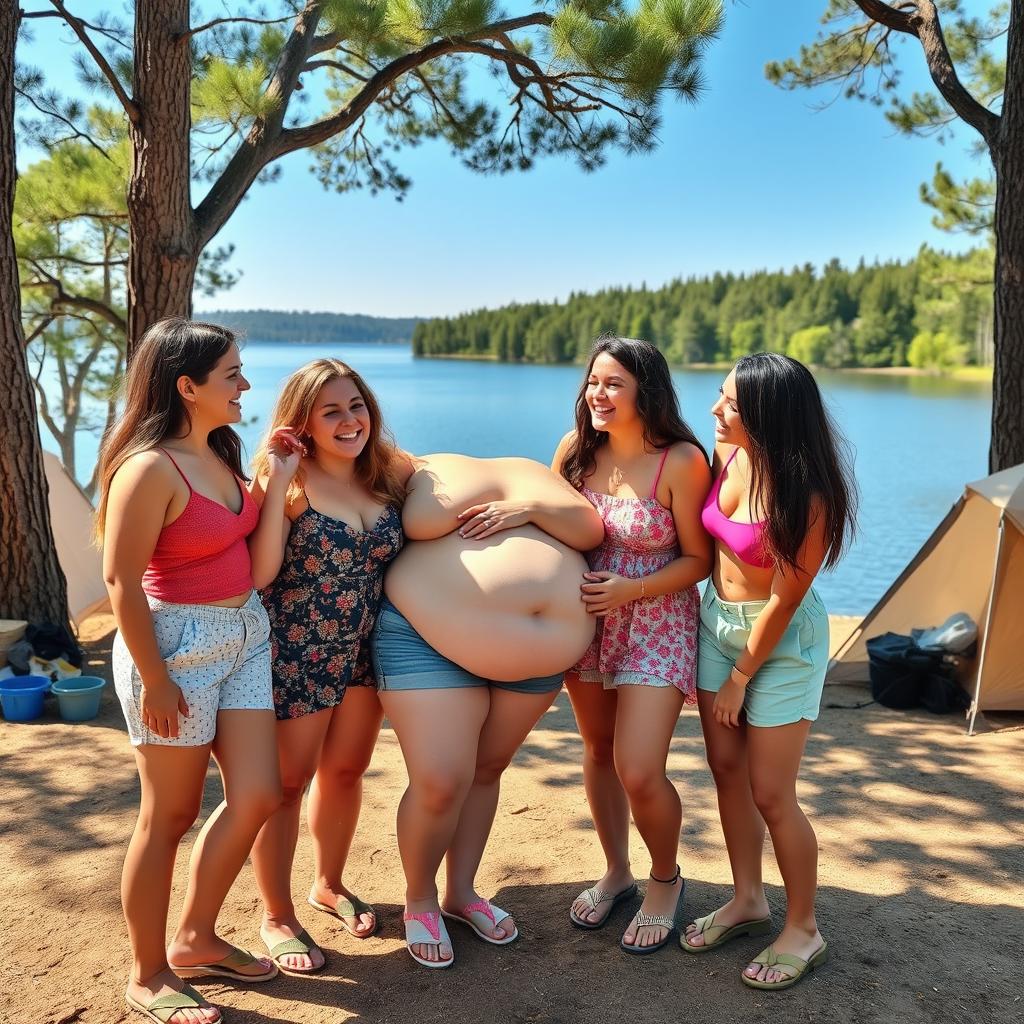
x=921, y=833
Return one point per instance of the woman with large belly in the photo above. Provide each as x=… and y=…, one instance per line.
x=482, y=616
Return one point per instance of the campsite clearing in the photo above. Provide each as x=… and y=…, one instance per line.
x=922, y=855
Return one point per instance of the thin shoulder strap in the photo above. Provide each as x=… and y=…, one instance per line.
x=657, y=476
x=178, y=468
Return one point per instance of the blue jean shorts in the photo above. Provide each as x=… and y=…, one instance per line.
x=220, y=657
x=787, y=687
x=403, y=660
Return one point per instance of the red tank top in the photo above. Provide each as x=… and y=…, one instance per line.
x=202, y=556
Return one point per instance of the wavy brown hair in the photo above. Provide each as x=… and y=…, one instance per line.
x=796, y=454
x=153, y=410
x=377, y=465
x=656, y=403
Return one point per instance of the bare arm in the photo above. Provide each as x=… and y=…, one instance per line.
x=789, y=585
x=267, y=542
x=140, y=495
x=563, y=512
x=689, y=480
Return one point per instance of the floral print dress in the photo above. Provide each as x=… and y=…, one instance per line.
x=651, y=641
x=322, y=607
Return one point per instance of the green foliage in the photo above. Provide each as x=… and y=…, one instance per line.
x=867, y=316
x=810, y=345
x=936, y=351
x=319, y=328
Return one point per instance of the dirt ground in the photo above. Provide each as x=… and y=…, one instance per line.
x=922, y=851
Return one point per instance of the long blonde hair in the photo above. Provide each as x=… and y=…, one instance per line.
x=153, y=409
x=377, y=465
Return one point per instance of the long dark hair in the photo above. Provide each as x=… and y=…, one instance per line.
x=656, y=403
x=153, y=410
x=796, y=454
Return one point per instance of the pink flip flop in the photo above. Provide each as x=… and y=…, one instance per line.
x=427, y=929
x=482, y=915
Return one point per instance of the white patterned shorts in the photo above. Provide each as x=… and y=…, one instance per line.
x=220, y=657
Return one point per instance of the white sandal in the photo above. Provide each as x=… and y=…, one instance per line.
x=482, y=916
x=427, y=929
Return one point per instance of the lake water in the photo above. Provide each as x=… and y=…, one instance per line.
x=917, y=440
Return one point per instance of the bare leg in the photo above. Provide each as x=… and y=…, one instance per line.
x=245, y=748
x=644, y=724
x=172, y=791
x=336, y=795
x=742, y=824
x=438, y=731
x=508, y=723
x=298, y=747
x=595, y=709
x=774, y=763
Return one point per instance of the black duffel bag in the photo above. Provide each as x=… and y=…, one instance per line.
x=904, y=675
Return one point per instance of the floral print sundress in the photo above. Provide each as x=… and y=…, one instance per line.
x=651, y=641
x=322, y=608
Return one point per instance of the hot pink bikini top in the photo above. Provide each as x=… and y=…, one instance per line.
x=202, y=556
x=744, y=540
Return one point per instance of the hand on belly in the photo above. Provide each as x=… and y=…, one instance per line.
x=507, y=608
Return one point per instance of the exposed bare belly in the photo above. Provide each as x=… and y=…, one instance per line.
x=506, y=608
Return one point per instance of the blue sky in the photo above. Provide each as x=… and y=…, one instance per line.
x=750, y=177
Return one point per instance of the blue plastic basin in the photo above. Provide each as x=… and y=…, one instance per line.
x=22, y=697
x=79, y=697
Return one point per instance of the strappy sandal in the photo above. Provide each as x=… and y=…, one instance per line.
x=163, y=1008
x=348, y=908
x=595, y=897
x=716, y=935
x=230, y=967
x=644, y=920
x=482, y=915
x=301, y=945
x=802, y=967
x=427, y=929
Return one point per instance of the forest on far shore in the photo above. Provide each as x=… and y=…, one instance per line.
x=302, y=327
x=932, y=312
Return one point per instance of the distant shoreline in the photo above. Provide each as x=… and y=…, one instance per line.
x=963, y=373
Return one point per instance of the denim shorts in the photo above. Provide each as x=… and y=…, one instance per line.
x=220, y=657
x=787, y=687
x=403, y=660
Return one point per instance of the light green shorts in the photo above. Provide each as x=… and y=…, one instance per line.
x=787, y=687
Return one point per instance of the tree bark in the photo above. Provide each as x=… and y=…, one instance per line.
x=1007, y=447
x=32, y=585
x=165, y=248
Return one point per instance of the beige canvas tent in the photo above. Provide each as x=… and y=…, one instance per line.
x=973, y=563
x=71, y=518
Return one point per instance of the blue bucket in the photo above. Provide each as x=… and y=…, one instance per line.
x=22, y=697
x=79, y=697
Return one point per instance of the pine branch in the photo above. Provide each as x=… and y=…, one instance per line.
x=78, y=27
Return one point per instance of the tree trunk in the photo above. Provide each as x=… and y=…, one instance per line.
x=32, y=585
x=164, y=248
x=1008, y=156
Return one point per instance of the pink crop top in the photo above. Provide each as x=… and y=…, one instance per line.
x=202, y=556
x=744, y=540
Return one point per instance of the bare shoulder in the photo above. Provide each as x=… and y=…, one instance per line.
x=150, y=468
x=685, y=461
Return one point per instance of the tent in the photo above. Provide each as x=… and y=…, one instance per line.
x=974, y=563
x=71, y=520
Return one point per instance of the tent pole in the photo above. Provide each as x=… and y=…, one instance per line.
x=973, y=711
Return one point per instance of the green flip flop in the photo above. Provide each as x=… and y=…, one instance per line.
x=301, y=944
x=716, y=935
x=230, y=967
x=348, y=908
x=163, y=1008
x=770, y=958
